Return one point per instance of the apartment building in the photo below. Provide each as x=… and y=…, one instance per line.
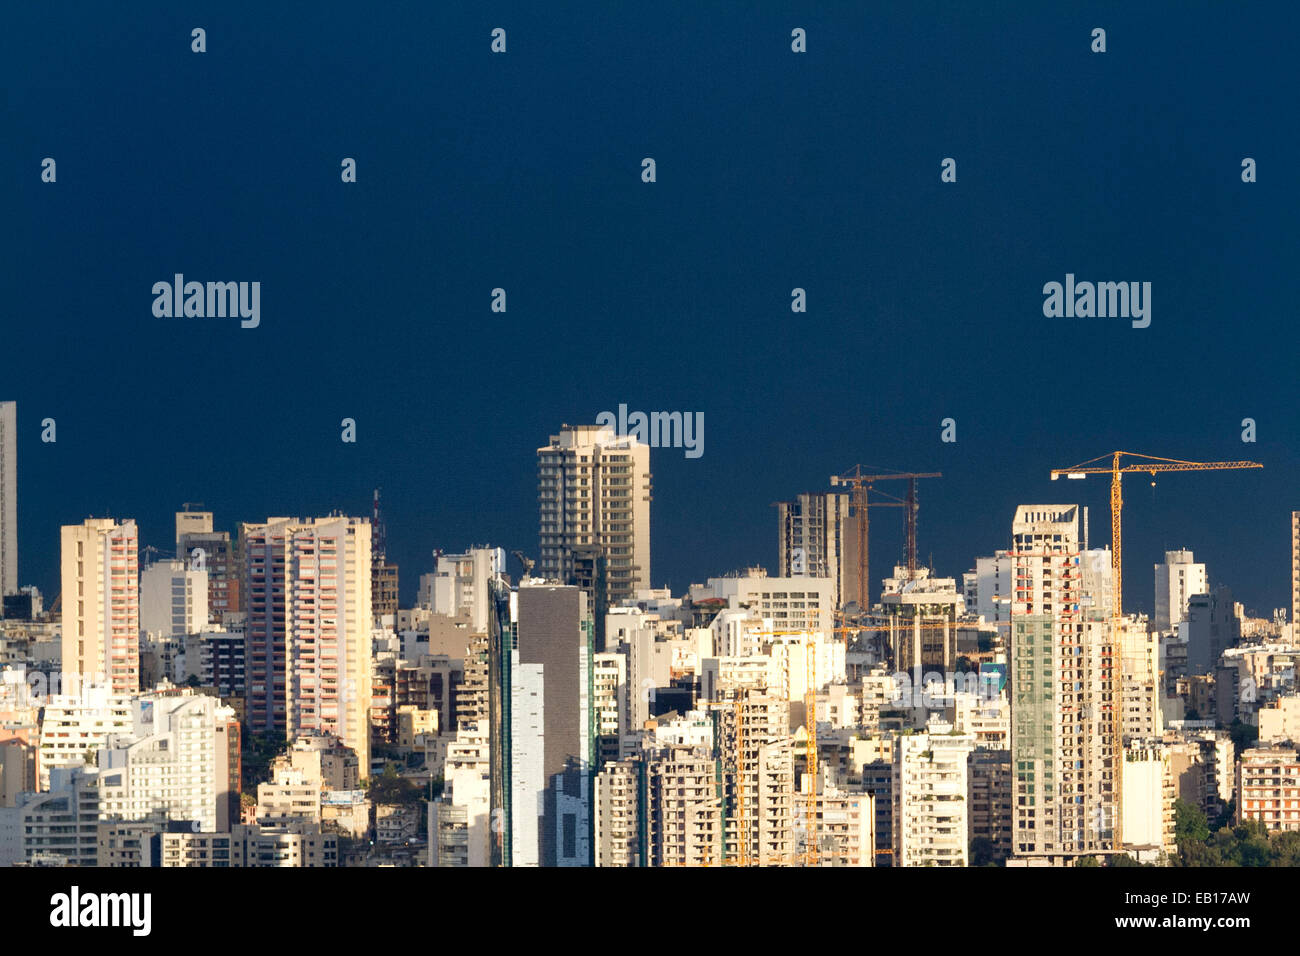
x=618, y=816
x=306, y=593
x=1148, y=804
x=991, y=811
x=460, y=585
x=129, y=845
x=790, y=603
x=63, y=822
x=930, y=790
x=460, y=822
x=1140, y=676
x=1295, y=566
x=843, y=826
x=173, y=600
x=173, y=764
x=215, y=554
x=757, y=751
x=684, y=811
x=101, y=603
x=74, y=727
x=291, y=794
x=1178, y=577
x=291, y=844
x=1268, y=787
x=593, y=492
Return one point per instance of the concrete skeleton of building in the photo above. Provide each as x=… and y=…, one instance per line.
x=1065, y=725
x=811, y=543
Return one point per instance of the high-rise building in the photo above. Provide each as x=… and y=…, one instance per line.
x=618, y=813
x=8, y=498
x=1140, y=694
x=383, y=573
x=173, y=600
x=214, y=553
x=991, y=806
x=62, y=826
x=992, y=594
x=191, y=523
x=460, y=822
x=684, y=815
x=1212, y=628
x=1176, y=581
x=101, y=603
x=811, y=541
x=306, y=593
x=593, y=489
x=930, y=791
x=1065, y=722
x=757, y=755
x=1148, y=804
x=552, y=747
x=460, y=585
x=1295, y=566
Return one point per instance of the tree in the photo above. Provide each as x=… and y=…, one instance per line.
x=257, y=752
x=982, y=852
x=389, y=789
x=1189, y=823
x=1244, y=736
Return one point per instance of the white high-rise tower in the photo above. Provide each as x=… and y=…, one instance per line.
x=8, y=498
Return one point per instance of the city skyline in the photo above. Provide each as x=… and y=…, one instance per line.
x=357, y=512
x=887, y=539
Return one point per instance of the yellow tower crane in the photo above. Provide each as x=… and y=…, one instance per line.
x=1117, y=469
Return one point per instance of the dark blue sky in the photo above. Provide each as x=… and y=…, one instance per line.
x=775, y=170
